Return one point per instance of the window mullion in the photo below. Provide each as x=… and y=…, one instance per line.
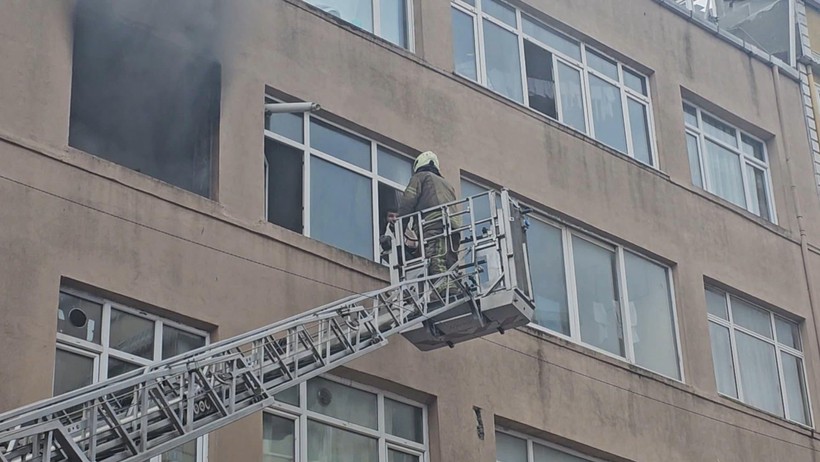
x=377, y=17
x=105, y=333
x=572, y=294
x=784, y=399
x=479, y=28
x=559, y=107
x=306, y=177
x=521, y=59
x=374, y=199
x=630, y=147
x=157, y=340
x=587, y=92
x=735, y=360
x=626, y=312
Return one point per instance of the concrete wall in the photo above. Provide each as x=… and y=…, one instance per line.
x=70, y=215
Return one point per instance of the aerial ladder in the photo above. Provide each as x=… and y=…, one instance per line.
x=150, y=411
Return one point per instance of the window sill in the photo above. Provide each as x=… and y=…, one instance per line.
x=192, y=202
x=715, y=398
x=557, y=339
x=749, y=409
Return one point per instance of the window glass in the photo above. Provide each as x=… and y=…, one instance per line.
x=597, y=294
x=716, y=304
x=277, y=439
x=132, y=334
x=602, y=65
x=341, y=212
x=690, y=115
x=289, y=395
x=759, y=204
x=396, y=456
x=499, y=11
x=650, y=310
x=694, y=159
x=540, y=80
x=639, y=126
x=795, y=380
x=752, y=147
x=183, y=453
x=719, y=130
x=723, y=169
x=394, y=21
x=357, y=12
x=176, y=341
x=509, y=448
x=751, y=317
x=79, y=318
x=72, y=371
x=635, y=81
x=403, y=420
x=547, y=454
x=342, y=402
x=284, y=184
x=572, y=99
x=287, y=125
x=464, y=44
x=758, y=373
x=546, y=257
x=339, y=144
x=607, y=113
x=787, y=333
x=117, y=367
x=722, y=358
x=503, y=61
x=394, y=166
x=548, y=37
x=326, y=443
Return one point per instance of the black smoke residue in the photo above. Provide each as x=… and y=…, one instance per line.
x=146, y=86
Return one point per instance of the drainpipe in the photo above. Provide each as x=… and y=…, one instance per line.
x=804, y=246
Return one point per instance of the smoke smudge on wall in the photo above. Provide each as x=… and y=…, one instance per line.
x=148, y=98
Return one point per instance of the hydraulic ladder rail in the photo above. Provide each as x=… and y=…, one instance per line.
x=147, y=412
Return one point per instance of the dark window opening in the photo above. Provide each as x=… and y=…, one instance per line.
x=388, y=203
x=284, y=180
x=142, y=101
x=540, y=79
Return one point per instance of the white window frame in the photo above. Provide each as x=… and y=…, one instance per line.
x=627, y=94
x=300, y=416
x=308, y=151
x=567, y=233
x=745, y=159
x=532, y=440
x=779, y=349
x=377, y=23
x=102, y=352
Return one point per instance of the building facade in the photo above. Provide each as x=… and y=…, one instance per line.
x=151, y=207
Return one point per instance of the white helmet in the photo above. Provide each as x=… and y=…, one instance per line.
x=425, y=158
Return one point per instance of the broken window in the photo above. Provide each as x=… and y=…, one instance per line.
x=766, y=24
x=142, y=101
x=352, y=182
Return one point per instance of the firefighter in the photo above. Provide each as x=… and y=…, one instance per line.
x=427, y=189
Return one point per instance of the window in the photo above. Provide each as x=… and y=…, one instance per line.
x=581, y=285
x=328, y=419
x=98, y=339
x=156, y=112
x=330, y=184
x=728, y=162
x=768, y=24
x=514, y=447
x=389, y=19
x=758, y=356
x=519, y=57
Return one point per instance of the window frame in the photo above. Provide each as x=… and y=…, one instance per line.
x=569, y=231
x=377, y=19
x=102, y=352
x=746, y=160
x=300, y=415
x=308, y=151
x=779, y=349
x=478, y=15
x=531, y=440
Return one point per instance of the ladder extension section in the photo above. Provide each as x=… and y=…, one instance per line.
x=147, y=412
